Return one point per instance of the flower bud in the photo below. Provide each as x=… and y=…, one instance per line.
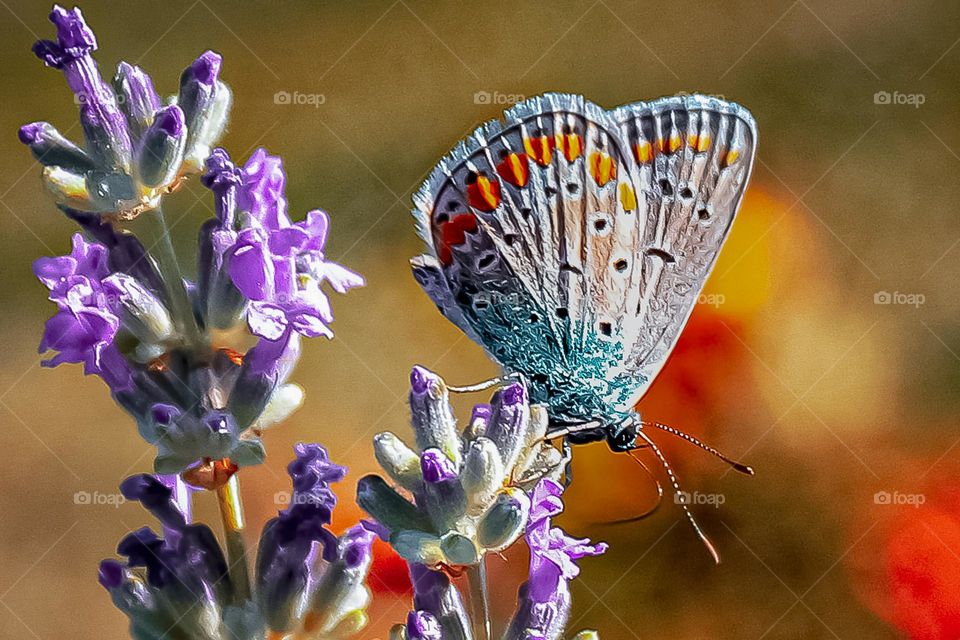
x=433, y=422
x=138, y=99
x=398, y=460
x=286, y=399
x=443, y=496
x=482, y=472
x=433, y=593
x=162, y=148
x=104, y=141
x=422, y=625
x=388, y=507
x=110, y=191
x=508, y=421
x=50, y=148
x=68, y=188
x=503, y=522
x=143, y=315
x=206, y=104
x=458, y=549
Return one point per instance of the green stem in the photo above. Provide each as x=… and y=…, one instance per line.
x=231, y=512
x=166, y=257
x=479, y=600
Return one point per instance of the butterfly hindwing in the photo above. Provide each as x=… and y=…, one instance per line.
x=571, y=251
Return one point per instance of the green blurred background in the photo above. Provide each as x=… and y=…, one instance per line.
x=795, y=364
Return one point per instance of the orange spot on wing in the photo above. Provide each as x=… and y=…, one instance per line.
x=731, y=156
x=669, y=145
x=699, y=143
x=483, y=194
x=602, y=168
x=643, y=152
x=540, y=149
x=514, y=169
x=452, y=233
x=571, y=144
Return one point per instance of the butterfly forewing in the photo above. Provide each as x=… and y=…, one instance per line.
x=692, y=161
x=572, y=243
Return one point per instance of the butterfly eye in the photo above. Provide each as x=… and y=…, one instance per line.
x=703, y=213
x=686, y=193
x=573, y=188
x=666, y=188
x=606, y=329
x=621, y=265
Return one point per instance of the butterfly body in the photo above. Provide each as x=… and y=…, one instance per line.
x=572, y=243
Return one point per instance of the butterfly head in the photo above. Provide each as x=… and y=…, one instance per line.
x=623, y=438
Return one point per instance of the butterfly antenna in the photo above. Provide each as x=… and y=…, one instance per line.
x=737, y=466
x=649, y=512
x=679, y=492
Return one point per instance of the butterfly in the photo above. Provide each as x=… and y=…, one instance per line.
x=572, y=243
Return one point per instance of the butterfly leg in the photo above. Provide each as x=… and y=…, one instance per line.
x=678, y=492
x=567, y=463
x=649, y=512
x=486, y=384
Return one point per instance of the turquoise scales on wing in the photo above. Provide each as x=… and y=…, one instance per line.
x=572, y=242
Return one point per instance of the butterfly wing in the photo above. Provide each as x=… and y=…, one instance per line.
x=563, y=249
x=692, y=159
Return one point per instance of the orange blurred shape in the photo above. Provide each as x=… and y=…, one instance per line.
x=705, y=373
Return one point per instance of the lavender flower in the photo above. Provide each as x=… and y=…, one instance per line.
x=309, y=581
x=178, y=583
x=87, y=319
x=543, y=606
x=468, y=489
x=136, y=149
x=196, y=399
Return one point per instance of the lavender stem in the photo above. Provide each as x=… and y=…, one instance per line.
x=169, y=266
x=479, y=600
x=231, y=512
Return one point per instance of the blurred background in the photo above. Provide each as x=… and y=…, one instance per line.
x=825, y=351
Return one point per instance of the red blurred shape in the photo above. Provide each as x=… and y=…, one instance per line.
x=388, y=573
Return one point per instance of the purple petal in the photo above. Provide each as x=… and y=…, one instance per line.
x=251, y=268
